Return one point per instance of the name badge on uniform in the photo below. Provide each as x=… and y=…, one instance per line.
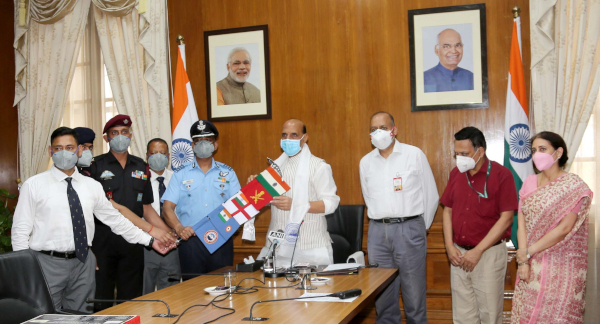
x=140, y=196
x=397, y=183
x=188, y=181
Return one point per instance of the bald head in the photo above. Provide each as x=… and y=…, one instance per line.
x=382, y=120
x=449, y=48
x=295, y=124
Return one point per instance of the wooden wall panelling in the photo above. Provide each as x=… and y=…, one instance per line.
x=333, y=64
x=9, y=119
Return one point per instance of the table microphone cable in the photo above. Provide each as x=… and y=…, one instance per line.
x=238, y=291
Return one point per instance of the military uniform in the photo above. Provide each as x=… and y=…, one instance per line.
x=120, y=264
x=196, y=194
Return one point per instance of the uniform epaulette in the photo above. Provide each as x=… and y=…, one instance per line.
x=187, y=165
x=224, y=166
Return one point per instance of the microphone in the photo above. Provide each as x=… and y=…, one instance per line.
x=93, y=300
x=347, y=293
x=275, y=237
x=341, y=295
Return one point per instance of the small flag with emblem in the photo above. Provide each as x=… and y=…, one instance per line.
x=256, y=193
x=208, y=234
x=223, y=224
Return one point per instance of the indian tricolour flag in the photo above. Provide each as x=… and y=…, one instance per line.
x=272, y=182
x=517, y=148
x=184, y=115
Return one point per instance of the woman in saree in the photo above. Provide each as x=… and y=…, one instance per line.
x=553, y=239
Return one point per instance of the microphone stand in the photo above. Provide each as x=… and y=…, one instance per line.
x=90, y=301
x=274, y=273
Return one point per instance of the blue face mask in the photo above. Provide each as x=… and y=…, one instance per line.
x=291, y=147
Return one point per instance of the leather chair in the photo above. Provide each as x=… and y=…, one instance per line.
x=345, y=226
x=24, y=293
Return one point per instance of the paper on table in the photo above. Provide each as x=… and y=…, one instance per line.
x=341, y=266
x=326, y=299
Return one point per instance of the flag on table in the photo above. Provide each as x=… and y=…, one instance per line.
x=258, y=196
x=184, y=115
x=240, y=208
x=208, y=234
x=272, y=182
x=517, y=146
x=223, y=223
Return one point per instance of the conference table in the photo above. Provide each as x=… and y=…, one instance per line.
x=371, y=281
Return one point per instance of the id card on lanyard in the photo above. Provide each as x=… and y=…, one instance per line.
x=397, y=182
x=484, y=194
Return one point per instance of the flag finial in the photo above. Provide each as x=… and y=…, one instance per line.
x=516, y=11
x=180, y=40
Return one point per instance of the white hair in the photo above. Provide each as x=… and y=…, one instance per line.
x=238, y=49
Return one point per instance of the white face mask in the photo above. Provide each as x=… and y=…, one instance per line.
x=466, y=163
x=382, y=139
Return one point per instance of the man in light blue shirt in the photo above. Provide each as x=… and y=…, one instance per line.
x=196, y=190
x=447, y=76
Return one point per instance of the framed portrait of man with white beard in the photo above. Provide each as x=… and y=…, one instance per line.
x=237, y=73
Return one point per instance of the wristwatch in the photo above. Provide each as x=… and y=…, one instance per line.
x=527, y=252
x=151, y=242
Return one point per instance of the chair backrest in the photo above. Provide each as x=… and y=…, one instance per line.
x=345, y=226
x=24, y=293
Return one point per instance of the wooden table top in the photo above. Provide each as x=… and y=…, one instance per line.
x=183, y=295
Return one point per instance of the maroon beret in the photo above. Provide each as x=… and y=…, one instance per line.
x=118, y=120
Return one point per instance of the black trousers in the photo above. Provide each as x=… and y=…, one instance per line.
x=195, y=258
x=121, y=266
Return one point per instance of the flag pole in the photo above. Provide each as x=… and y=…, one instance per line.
x=516, y=10
x=180, y=40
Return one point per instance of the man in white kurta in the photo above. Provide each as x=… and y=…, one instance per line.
x=318, y=189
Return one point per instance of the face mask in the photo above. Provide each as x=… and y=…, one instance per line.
x=381, y=139
x=158, y=161
x=291, y=147
x=466, y=163
x=204, y=149
x=544, y=161
x=120, y=143
x=64, y=159
x=86, y=159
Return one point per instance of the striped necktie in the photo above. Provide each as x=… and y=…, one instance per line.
x=79, y=230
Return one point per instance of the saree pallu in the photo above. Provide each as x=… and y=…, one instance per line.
x=556, y=290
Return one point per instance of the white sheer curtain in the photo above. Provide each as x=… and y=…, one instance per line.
x=85, y=101
x=45, y=60
x=135, y=53
x=564, y=65
x=587, y=166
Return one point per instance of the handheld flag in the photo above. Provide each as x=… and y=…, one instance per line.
x=225, y=225
x=208, y=234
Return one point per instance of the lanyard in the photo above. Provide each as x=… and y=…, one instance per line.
x=482, y=195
